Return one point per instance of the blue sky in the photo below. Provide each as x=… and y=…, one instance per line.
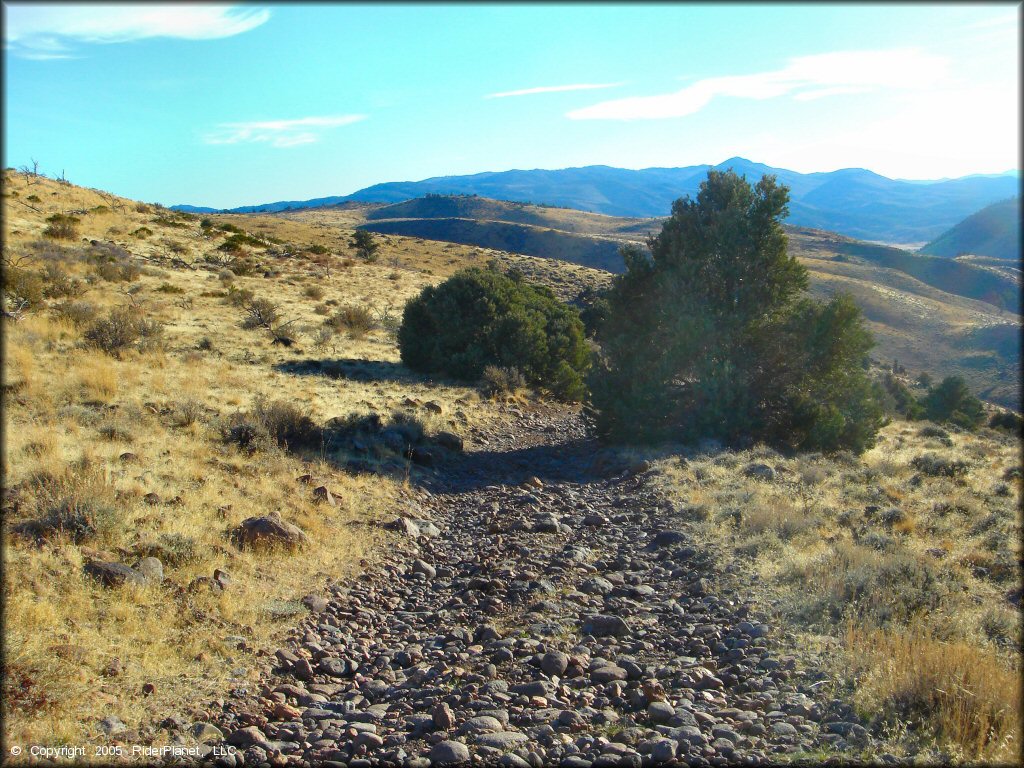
x=227, y=105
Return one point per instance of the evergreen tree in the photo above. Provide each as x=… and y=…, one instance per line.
x=365, y=245
x=710, y=335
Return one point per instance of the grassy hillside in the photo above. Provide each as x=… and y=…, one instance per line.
x=933, y=314
x=993, y=231
x=134, y=444
x=595, y=252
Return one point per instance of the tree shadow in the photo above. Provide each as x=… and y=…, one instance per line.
x=353, y=369
x=573, y=461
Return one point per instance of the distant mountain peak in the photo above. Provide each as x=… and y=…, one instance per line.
x=852, y=201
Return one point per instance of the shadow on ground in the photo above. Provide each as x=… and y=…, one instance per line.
x=573, y=461
x=352, y=369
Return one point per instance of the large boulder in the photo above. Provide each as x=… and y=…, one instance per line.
x=269, y=530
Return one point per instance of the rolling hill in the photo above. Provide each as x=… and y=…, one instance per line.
x=993, y=231
x=932, y=313
x=853, y=201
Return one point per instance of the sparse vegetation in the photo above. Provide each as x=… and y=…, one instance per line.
x=124, y=327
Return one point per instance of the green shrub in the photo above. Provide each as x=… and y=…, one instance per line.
x=1006, y=420
x=316, y=249
x=710, y=335
x=952, y=401
x=235, y=242
x=61, y=227
x=480, y=317
x=900, y=400
x=365, y=245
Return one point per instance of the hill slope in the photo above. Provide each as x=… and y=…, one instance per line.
x=936, y=314
x=993, y=231
x=853, y=201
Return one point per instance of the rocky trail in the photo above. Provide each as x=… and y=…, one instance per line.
x=544, y=608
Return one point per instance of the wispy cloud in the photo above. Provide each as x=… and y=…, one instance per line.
x=51, y=31
x=552, y=89
x=805, y=77
x=279, y=133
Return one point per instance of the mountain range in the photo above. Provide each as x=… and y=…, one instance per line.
x=852, y=201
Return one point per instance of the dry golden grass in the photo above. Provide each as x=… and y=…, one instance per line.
x=926, y=584
x=71, y=412
x=970, y=700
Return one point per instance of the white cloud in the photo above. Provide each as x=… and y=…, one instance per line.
x=49, y=31
x=804, y=77
x=279, y=133
x=552, y=89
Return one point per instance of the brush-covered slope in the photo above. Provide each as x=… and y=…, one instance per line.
x=936, y=314
x=993, y=231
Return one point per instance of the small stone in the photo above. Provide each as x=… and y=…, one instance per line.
x=554, y=663
x=600, y=625
x=315, y=603
x=283, y=711
x=112, y=726
x=502, y=740
x=547, y=523
x=783, y=729
x=114, y=574
x=322, y=495
x=449, y=753
x=421, y=566
x=369, y=740
x=148, y=689
x=660, y=712
x=663, y=750
x=268, y=530
x=608, y=674
x=151, y=568
x=206, y=733
x=443, y=717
